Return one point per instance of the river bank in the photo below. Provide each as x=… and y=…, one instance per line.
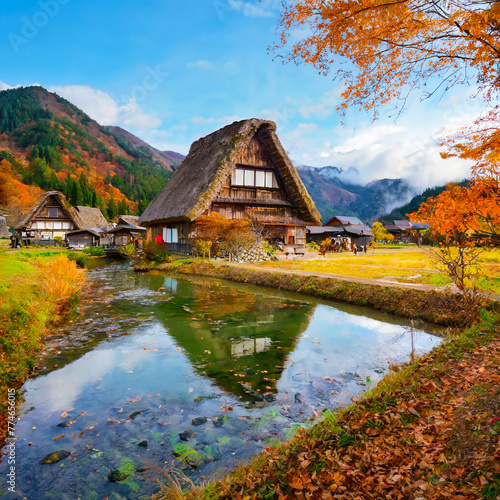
x=441, y=308
x=38, y=288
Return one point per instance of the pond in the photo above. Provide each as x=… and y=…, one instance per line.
x=193, y=374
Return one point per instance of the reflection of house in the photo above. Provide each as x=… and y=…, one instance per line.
x=247, y=347
x=240, y=172
x=53, y=217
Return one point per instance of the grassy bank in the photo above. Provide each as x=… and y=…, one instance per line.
x=436, y=307
x=430, y=429
x=38, y=288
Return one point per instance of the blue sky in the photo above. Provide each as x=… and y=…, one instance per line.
x=172, y=71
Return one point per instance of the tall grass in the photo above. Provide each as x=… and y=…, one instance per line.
x=34, y=293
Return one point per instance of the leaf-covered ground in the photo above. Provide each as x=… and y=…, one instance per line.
x=430, y=431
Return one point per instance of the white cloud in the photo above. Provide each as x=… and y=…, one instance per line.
x=105, y=110
x=6, y=86
x=206, y=65
x=263, y=8
x=322, y=109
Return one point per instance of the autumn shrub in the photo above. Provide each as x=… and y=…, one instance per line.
x=313, y=246
x=156, y=252
x=203, y=246
x=326, y=246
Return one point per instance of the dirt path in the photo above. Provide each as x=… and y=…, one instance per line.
x=369, y=281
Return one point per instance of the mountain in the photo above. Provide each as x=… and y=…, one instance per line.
x=47, y=143
x=401, y=211
x=335, y=196
x=175, y=157
x=167, y=159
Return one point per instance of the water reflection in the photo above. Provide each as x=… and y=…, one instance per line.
x=241, y=340
x=153, y=357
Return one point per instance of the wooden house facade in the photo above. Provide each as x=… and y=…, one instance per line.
x=52, y=219
x=239, y=172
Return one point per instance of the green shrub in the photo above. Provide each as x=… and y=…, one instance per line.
x=79, y=258
x=156, y=252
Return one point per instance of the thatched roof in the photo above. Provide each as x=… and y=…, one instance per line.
x=200, y=177
x=131, y=220
x=82, y=217
x=41, y=203
x=89, y=217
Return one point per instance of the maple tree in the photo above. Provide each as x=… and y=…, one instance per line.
x=392, y=47
x=384, y=50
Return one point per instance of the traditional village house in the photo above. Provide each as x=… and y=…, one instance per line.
x=240, y=172
x=127, y=231
x=342, y=229
x=52, y=218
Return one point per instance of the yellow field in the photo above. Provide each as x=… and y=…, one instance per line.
x=403, y=264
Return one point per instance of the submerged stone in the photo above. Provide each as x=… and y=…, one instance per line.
x=64, y=424
x=135, y=414
x=298, y=397
x=115, y=476
x=55, y=457
x=187, y=435
x=143, y=442
x=218, y=421
x=199, y=421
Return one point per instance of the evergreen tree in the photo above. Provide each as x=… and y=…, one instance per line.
x=123, y=207
x=112, y=209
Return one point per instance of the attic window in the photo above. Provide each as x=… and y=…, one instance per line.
x=52, y=212
x=251, y=177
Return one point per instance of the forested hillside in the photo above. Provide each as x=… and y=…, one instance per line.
x=47, y=143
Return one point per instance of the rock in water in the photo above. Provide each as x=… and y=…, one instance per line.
x=144, y=443
x=298, y=397
x=115, y=476
x=55, y=457
x=187, y=435
x=199, y=421
x=218, y=421
x=134, y=414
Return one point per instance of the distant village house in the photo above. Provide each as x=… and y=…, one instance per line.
x=52, y=220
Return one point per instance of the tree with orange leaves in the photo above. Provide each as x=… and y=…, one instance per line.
x=391, y=47
x=215, y=234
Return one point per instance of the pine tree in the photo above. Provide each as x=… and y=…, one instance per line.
x=112, y=209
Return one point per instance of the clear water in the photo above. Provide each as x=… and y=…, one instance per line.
x=249, y=363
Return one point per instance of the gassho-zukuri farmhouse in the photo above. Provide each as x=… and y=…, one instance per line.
x=240, y=171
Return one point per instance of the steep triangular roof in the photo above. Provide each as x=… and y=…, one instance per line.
x=41, y=202
x=201, y=175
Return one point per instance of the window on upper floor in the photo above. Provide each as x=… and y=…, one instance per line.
x=251, y=177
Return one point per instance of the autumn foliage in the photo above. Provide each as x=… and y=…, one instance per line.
x=217, y=234
x=392, y=47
